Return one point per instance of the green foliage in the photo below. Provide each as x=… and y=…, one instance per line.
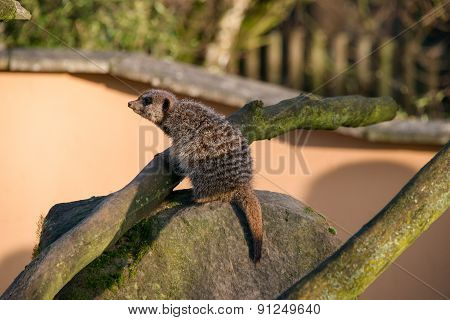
x=261, y=18
x=180, y=29
x=175, y=28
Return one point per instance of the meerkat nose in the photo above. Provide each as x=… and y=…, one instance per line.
x=132, y=105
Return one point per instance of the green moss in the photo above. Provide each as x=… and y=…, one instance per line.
x=40, y=227
x=36, y=251
x=7, y=10
x=309, y=210
x=168, y=255
x=119, y=263
x=111, y=269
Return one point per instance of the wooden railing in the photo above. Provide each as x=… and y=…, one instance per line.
x=310, y=61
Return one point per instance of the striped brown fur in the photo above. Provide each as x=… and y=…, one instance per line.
x=209, y=150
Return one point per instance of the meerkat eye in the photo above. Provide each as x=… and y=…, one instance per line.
x=166, y=104
x=147, y=100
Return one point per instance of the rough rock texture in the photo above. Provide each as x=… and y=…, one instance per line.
x=191, y=251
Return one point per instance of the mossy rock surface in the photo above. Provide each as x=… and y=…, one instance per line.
x=192, y=251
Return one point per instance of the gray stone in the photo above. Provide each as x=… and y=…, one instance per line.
x=196, y=82
x=61, y=60
x=431, y=132
x=191, y=251
x=185, y=79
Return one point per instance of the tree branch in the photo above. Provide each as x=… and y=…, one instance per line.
x=311, y=112
x=218, y=53
x=121, y=210
x=349, y=271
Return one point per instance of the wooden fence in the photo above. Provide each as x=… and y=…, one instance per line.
x=309, y=61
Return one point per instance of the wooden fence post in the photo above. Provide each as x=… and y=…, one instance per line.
x=363, y=72
x=384, y=72
x=409, y=75
x=274, y=56
x=252, y=64
x=296, y=57
x=340, y=63
x=432, y=66
x=318, y=61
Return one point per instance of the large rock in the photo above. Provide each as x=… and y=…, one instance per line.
x=191, y=251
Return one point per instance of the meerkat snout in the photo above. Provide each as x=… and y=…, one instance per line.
x=154, y=105
x=135, y=105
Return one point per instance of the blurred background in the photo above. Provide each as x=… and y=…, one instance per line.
x=66, y=133
x=299, y=44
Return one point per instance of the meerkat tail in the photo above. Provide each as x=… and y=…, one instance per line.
x=246, y=199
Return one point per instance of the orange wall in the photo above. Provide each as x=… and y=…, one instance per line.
x=68, y=137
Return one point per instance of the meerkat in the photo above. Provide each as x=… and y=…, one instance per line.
x=209, y=150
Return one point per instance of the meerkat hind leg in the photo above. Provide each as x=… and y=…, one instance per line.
x=224, y=197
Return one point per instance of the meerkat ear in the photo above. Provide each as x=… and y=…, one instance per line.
x=166, y=104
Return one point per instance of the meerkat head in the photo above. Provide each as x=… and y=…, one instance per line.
x=154, y=105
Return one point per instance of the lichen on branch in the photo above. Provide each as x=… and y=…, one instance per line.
x=311, y=112
x=350, y=270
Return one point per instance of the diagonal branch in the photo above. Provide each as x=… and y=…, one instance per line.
x=350, y=270
x=116, y=213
